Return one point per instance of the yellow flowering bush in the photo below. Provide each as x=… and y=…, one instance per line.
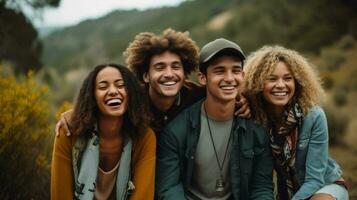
x=25, y=139
x=66, y=105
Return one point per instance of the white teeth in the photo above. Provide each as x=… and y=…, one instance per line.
x=280, y=93
x=169, y=83
x=114, y=101
x=228, y=87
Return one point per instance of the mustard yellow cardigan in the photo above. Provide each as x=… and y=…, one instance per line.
x=143, y=163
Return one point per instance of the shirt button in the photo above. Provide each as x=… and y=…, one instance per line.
x=192, y=157
x=165, y=117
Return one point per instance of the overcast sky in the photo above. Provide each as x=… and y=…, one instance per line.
x=71, y=12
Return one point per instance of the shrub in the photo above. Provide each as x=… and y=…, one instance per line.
x=63, y=108
x=346, y=42
x=337, y=124
x=332, y=58
x=24, y=139
x=340, y=96
x=327, y=79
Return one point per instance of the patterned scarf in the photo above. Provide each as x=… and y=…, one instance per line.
x=85, y=158
x=283, y=141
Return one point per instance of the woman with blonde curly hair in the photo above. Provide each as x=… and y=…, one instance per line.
x=285, y=93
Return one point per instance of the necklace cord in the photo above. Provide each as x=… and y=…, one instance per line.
x=214, y=146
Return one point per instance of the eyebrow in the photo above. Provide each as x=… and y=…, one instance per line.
x=288, y=74
x=237, y=66
x=164, y=63
x=105, y=81
x=218, y=67
x=222, y=67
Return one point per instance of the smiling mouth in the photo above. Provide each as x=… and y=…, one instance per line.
x=113, y=102
x=279, y=94
x=228, y=87
x=169, y=83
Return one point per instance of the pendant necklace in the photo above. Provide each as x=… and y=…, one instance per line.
x=220, y=181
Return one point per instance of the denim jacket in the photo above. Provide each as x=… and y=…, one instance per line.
x=313, y=164
x=251, y=161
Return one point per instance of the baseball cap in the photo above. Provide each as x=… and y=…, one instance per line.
x=212, y=48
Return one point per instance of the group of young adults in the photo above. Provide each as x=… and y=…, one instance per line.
x=149, y=133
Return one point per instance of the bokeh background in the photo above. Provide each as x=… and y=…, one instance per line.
x=42, y=68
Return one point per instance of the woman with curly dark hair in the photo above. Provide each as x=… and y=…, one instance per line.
x=285, y=94
x=111, y=153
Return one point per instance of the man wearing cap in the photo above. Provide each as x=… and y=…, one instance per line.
x=206, y=152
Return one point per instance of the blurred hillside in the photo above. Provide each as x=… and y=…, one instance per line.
x=303, y=25
x=104, y=39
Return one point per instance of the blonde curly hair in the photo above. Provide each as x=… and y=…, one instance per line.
x=261, y=63
x=147, y=44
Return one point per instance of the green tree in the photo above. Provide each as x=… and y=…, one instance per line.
x=19, y=42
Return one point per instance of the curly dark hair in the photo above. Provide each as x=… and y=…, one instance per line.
x=86, y=111
x=147, y=44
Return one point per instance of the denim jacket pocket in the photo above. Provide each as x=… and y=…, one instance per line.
x=302, y=144
x=301, y=158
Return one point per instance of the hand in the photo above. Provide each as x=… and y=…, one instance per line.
x=63, y=123
x=242, y=107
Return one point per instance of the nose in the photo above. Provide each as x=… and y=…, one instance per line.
x=169, y=72
x=228, y=76
x=280, y=83
x=113, y=91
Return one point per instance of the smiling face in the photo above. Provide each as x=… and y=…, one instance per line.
x=279, y=87
x=165, y=76
x=223, y=78
x=110, y=92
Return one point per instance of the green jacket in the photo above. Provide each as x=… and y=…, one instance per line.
x=251, y=162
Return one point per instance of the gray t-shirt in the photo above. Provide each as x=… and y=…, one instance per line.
x=206, y=169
